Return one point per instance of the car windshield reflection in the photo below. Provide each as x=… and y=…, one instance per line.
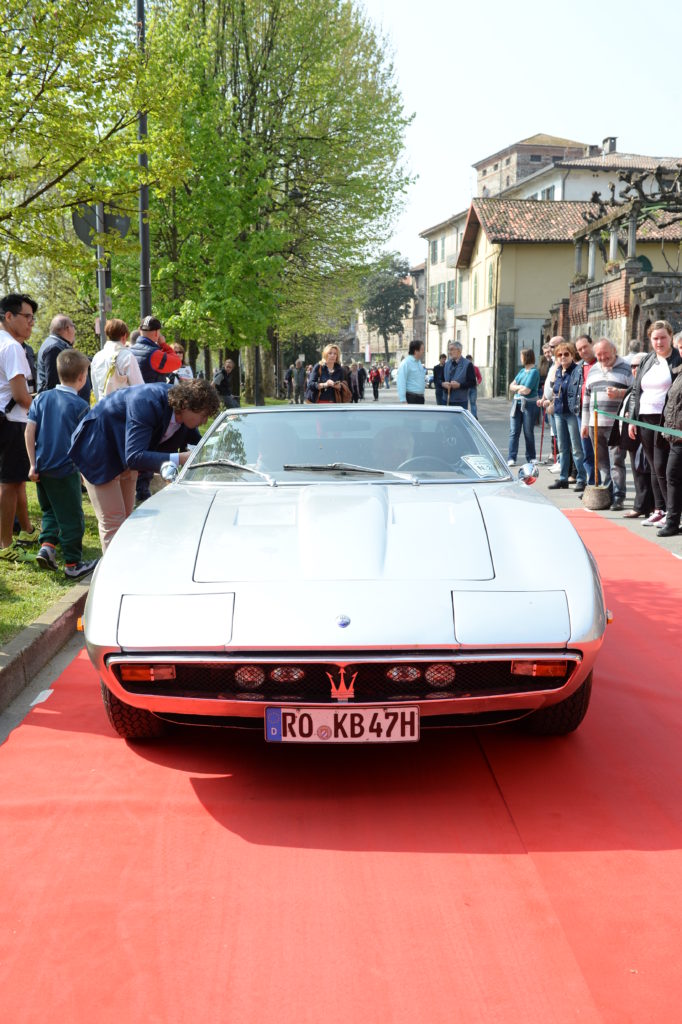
x=382, y=445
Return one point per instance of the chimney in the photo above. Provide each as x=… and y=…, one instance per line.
x=609, y=144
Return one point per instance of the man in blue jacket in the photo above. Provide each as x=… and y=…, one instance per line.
x=136, y=429
x=458, y=376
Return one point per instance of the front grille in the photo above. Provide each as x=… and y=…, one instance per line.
x=218, y=681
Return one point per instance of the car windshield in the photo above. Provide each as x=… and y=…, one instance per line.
x=390, y=445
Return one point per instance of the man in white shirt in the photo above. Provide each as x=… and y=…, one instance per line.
x=16, y=324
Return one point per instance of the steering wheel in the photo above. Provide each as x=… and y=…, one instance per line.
x=425, y=462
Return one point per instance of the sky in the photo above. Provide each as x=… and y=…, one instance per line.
x=480, y=76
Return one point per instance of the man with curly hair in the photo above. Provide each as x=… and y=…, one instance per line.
x=136, y=429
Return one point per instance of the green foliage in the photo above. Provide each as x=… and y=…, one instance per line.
x=275, y=134
x=71, y=86
x=388, y=298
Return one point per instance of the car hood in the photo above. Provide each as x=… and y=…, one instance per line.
x=349, y=532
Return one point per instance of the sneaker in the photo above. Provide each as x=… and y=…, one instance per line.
x=28, y=537
x=80, y=569
x=657, y=516
x=579, y=487
x=15, y=553
x=46, y=558
x=511, y=462
x=617, y=505
x=556, y=468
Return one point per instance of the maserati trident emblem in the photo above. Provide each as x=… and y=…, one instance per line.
x=342, y=691
x=342, y=621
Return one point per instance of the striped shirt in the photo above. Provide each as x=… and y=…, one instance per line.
x=598, y=380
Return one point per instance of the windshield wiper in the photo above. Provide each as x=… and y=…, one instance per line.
x=234, y=465
x=348, y=467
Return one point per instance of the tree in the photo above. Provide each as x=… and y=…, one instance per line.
x=295, y=126
x=388, y=298
x=71, y=87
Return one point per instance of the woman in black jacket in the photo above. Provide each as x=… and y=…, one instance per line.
x=326, y=376
x=647, y=402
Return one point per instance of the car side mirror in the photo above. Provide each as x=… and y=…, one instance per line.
x=528, y=473
x=169, y=472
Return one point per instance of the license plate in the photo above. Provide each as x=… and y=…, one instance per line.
x=342, y=724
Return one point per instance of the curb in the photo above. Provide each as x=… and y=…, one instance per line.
x=28, y=652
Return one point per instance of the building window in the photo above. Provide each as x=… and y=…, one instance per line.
x=548, y=193
x=496, y=167
x=490, y=285
x=451, y=294
x=488, y=352
x=433, y=296
x=508, y=179
x=535, y=158
x=459, y=289
x=441, y=301
x=484, y=172
x=434, y=251
x=442, y=248
x=507, y=161
x=475, y=296
x=458, y=336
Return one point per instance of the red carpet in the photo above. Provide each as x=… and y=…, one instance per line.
x=478, y=877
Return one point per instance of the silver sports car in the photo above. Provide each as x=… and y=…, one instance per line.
x=280, y=582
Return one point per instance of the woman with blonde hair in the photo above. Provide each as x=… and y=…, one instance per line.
x=326, y=377
x=114, y=366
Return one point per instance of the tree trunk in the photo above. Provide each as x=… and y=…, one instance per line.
x=208, y=369
x=385, y=337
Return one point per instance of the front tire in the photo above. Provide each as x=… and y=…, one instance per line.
x=562, y=718
x=129, y=722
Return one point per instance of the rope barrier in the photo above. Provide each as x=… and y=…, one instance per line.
x=639, y=423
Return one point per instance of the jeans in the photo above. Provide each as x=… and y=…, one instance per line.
x=523, y=414
x=618, y=473
x=603, y=468
x=588, y=459
x=472, y=402
x=568, y=436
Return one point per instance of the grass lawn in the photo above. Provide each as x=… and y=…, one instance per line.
x=26, y=591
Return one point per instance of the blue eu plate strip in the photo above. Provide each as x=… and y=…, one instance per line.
x=273, y=724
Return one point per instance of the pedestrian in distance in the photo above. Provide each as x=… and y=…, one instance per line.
x=473, y=392
x=438, y=371
x=222, y=382
x=300, y=378
x=458, y=376
x=524, y=408
x=410, y=380
x=52, y=418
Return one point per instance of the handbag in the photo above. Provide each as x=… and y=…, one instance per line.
x=343, y=393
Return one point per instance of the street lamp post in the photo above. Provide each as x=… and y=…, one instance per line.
x=143, y=204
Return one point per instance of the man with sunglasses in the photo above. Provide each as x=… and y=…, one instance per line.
x=16, y=323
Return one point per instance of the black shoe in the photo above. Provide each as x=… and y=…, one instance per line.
x=558, y=485
x=668, y=531
x=579, y=487
x=617, y=506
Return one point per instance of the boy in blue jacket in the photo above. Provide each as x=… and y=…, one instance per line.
x=52, y=418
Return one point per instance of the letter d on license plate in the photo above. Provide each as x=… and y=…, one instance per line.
x=342, y=724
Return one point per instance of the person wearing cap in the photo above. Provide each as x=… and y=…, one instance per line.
x=157, y=359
